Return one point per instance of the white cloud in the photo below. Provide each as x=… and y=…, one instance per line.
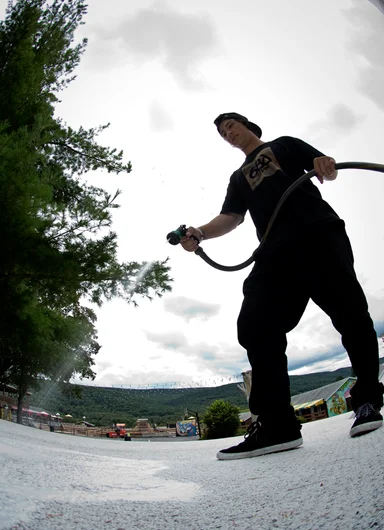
x=173, y=340
x=367, y=44
x=339, y=120
x=379, y=4
x=180, y=41
x=188, y=308
x=216, y=356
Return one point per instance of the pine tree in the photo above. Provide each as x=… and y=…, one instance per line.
x=58, y=247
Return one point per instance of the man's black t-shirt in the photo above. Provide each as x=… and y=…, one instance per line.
x=259, y=183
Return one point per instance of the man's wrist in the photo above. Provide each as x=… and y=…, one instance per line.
x=202, y=235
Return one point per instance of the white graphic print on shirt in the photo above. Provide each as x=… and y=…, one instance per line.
x=263, y=165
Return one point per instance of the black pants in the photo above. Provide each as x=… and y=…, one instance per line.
x=276, y=294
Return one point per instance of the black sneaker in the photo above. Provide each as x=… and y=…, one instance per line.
x=260, y=440
x=367, y=419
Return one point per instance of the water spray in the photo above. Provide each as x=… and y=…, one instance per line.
x=175, y=236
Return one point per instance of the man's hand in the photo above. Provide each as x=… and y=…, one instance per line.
x=325, y=168
x=191, y=240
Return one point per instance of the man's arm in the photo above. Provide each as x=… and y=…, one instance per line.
x=219, y=226
x=312, y=158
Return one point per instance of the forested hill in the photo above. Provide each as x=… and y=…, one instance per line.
x=104, y=406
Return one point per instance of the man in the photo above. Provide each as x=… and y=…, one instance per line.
x=307, y=255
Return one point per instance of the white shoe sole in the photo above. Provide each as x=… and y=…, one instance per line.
x=365, y=427
x=262, y=451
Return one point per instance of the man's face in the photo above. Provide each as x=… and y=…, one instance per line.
x=234, y=132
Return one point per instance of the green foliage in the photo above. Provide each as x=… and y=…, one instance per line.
x=303, y=383
x=58, y=249
x=104, y=406
x=221, y=419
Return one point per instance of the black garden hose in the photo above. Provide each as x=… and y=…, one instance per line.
x=343, y=165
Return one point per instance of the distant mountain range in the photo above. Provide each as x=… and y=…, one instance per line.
x=104, y=406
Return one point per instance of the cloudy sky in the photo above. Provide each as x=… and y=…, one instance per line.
x=160, y=72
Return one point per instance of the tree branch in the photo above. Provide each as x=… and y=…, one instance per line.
x=76, y=151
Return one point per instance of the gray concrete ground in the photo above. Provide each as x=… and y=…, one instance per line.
x=52, y=481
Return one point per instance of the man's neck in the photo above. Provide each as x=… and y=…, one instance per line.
x=253, y=144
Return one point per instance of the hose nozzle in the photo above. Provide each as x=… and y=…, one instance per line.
x=175, y=236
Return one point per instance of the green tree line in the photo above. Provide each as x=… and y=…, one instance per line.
x=104, y=406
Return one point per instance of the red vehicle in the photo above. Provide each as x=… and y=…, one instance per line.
x=119, y=432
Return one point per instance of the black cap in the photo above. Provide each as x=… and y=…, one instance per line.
x=238, y=117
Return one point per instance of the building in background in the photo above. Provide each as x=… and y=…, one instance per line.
x=326, y=401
